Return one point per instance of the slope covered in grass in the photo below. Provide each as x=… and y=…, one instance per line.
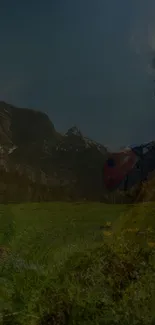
x=61, y=266
x=138, y=224
x=38, y=240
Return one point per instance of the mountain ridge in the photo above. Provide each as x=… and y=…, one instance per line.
x=31, y=145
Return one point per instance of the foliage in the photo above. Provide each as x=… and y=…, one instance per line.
x=62, y=269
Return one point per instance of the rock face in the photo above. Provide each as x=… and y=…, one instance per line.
x=30, y=147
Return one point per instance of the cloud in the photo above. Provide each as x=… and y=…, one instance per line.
x=142, y=34
x=14, y=89
x=151, y=35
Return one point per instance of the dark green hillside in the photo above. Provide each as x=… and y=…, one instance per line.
x=65, y=263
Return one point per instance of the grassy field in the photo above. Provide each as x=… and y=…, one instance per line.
x=60, y=265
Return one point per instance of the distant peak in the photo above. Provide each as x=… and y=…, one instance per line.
x=74, y=130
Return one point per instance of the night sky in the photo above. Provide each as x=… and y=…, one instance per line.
x=82, y=62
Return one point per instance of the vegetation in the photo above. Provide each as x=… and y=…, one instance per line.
x=73, y=263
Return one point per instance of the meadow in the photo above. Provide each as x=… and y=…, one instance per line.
x=77, y=263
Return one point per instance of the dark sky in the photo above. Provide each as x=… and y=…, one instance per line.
x=83, y=62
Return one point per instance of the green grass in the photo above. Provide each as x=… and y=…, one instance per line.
x=62, y=268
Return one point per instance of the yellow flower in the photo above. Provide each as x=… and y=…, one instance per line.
x=151, y=244
x=135, y=229
x=107, y=233
x=131, y=229
x=149, y=229
x=108, y=224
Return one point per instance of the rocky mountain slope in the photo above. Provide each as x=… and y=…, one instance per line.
x=32, y=148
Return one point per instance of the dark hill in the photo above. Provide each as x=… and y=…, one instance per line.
x=70, y=164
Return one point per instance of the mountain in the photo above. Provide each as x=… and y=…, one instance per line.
x=75, y=136
x=30, y=147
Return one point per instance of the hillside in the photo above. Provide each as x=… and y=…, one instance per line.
x=71, y=263
x=31, y=147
